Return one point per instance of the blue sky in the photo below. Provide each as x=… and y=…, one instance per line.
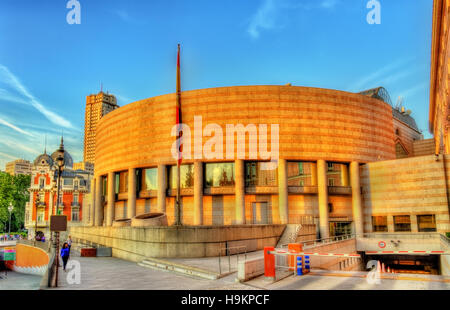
x=48, y=67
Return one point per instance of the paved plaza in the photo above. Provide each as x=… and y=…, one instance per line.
x=109, y=273
x=98, y=273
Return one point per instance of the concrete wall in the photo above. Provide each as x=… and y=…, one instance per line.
x=408, y=242
x=410, y=186
x=424, y=147
x=135, y=244
x=335, y=263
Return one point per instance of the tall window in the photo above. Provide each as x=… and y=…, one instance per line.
x=41, y=182
x=402, y=223
x=336, y=175
x=379, y=224
x=75, y=198
x=105, y=186
x=218, y=175
x=149, y=179
x=75, y=214
x=300, y=173
x=121, y=183
x=426, y=223
x=256, y=176
x=40, y=216
x=186, y=176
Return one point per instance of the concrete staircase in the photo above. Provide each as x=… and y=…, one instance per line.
x=159, y=264
x=289, y=235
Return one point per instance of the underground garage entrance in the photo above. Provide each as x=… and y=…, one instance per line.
x=416, y=264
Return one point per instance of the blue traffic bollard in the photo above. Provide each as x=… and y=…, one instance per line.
x=307, y=263
x=299, y=266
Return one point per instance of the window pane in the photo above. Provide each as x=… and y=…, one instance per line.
x=219, y=174
x=402, y=223
x=150, y=179
x=427, y=223
x=255, y=176
x=300, y=174
x=335, y=175
x=186, y=176
x=121, y=182
x=379, y=223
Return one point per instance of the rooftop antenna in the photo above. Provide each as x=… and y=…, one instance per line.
x=101, y=87
x=399, y=103
x=45, y=148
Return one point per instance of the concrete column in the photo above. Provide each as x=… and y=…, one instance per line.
x=313, y=174
x=239, y=191
x=414, y=224
x=358, y=216
x=111, y=199
x=322, y=187
x=198, y=193
x=131, y=203
x=92, y=208
x=98, y=202
x=344, y=175
x=283, y=191
x=162, y=187
x=390, y=223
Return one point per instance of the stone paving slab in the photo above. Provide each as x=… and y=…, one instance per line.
x=19, y=281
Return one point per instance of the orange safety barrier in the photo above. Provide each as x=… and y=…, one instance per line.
x=294, y=248
x=269, y=262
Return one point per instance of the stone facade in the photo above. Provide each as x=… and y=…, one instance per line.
x=332, y=135
x=19, y=166
x=440, y=76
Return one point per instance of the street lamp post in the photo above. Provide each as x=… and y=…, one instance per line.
x=37, y=203
x=10, y=209
x=60, y=163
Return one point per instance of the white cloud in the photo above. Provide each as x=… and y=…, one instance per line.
x=387, y=73
x=267, y=16
x=14, y=82
x=3, y=122
x=264, y=18
x=410, y=91
x=329, y=4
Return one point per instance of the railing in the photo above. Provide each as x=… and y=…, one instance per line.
x=228, y=254
x=445, y=240
x=324, y=240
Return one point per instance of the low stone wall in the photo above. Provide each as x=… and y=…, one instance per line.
x=136, y=243
x=250, y=269
x=333, y=262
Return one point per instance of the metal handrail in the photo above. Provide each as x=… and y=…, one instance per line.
x=229, y=256
x=375, y=235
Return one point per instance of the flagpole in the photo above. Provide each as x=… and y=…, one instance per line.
x=179, y=122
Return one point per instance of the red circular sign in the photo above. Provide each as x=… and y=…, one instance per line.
x=382, y=244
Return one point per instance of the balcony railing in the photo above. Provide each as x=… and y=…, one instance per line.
x=339, y=190
x=302, y=190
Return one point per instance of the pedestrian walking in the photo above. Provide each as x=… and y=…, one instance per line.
x=65, y=254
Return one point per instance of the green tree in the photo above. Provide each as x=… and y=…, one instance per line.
x=13, y=189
